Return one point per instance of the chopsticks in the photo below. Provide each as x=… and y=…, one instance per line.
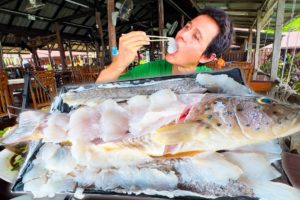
x=158, y=38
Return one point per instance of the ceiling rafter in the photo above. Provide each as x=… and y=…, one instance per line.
x=55, y=14
x=15, y=8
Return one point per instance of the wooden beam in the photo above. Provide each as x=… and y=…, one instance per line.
x=161, y=26
x=277, y=40
x=111, y=30
x=1, y=55
x=56, y=13
x=76, y=15
x=60, y=46
x=5, y=2
x=24, y=32
x=174, y=5
x=195, y=5
x=268, y=13
x=257, y=43
x=86, y=19
x=12, y=17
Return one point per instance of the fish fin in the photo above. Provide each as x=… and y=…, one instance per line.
x=276, y=191
x=178, y=155
x=177, y=133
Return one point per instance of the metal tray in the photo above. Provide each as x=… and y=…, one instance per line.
x=18, y=186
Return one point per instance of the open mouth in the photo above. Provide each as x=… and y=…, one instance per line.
x=172, y=46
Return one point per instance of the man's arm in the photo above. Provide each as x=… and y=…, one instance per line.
x=129, y=44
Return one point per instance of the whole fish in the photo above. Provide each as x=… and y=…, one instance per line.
x=215, y=122
x=218, y=122
x=126, y=89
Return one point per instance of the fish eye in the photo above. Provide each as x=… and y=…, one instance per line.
x=264, y=100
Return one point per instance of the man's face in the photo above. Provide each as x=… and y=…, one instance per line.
x=192, y=41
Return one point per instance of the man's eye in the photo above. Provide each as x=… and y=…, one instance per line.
x=187, y=26
x=196, y=37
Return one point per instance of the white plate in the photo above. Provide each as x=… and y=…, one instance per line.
x=5, y=167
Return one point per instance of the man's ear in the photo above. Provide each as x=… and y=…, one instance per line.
x=205, y=59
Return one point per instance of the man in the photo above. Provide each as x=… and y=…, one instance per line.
x=200, y=41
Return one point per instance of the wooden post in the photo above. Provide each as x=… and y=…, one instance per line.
x=99, y=28
x=182, y=22
x=277, y=40
x=249, y=55
x=100, y=32
x=35, y=58
x=161, y=26
x=258, y=29
x=98, y=61
x=1, y=55
x=87, y=54
x=60, y=46
x=21, y=59
x=49, y=57
x=245, y=45
x=70, y=53
x=111, y=30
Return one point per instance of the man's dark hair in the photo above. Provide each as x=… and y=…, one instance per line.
x=223, y=40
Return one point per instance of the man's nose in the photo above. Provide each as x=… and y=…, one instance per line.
x=186, y=35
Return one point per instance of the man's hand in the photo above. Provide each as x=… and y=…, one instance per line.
x=129, y=44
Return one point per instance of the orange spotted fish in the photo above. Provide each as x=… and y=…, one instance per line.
x=218, y=122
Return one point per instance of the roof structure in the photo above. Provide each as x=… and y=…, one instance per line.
x=20, y=27
x=289, y=40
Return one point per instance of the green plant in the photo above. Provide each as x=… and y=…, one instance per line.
x=297, y=86
x=266, y=67
x=293, y=25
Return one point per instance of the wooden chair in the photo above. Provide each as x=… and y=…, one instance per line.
x=66, y=77
x=95, y=72
x=38, y=95
x=246, y=68
x=256, y=85
x=76, y=75
x=86, y=75
x=4, y=94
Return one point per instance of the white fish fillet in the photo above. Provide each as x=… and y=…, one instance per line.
x=275, y=191
x=255, y=166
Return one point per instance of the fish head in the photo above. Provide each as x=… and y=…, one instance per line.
x=221, y=122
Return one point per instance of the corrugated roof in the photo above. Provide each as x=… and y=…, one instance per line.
x=289, y=40
x=78, y=23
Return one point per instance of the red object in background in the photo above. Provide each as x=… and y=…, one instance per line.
x=291, y=166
